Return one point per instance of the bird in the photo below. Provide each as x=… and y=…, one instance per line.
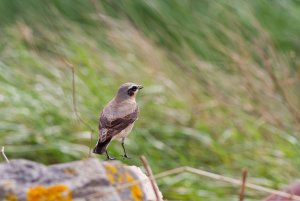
x=117, y=118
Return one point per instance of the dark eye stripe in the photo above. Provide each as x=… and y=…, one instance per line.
x=134, y=88
x=131, y=90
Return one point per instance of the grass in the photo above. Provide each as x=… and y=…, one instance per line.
x=221, y=85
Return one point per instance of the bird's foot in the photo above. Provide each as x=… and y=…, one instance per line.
x=125, y=156
x=110, y=158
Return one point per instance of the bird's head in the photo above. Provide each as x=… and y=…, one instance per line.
x=128, y=91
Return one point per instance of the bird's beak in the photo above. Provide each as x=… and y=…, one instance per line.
x=140, y=87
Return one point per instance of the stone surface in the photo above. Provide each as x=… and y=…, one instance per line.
x=86, y=180
x=293, y=189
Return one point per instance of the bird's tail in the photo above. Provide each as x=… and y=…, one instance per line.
x=101, y=146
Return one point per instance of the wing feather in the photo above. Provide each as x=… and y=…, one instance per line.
x=108, y=129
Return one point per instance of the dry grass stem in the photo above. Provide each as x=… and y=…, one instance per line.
x=75, y=105
x=3, y=154
x=150, y=174
x=242, y=189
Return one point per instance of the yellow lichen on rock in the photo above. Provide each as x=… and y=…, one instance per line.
x=121, y=176
x=70, y=171
x=58, y=192
x=11, y=197
x=111, y=170
x=136, y=191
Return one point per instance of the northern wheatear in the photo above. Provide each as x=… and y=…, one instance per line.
x=117, y=118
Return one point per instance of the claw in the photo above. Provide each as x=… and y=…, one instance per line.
x=110, y=158
x=125, y=157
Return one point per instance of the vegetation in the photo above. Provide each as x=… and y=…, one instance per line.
x=221, y=84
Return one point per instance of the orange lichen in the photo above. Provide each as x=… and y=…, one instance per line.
x=57, y=192
x=136, y=191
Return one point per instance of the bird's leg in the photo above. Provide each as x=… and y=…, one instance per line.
x=125, y=155
x=108, y=157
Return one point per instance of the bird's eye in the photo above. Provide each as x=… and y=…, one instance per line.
x=134, y=88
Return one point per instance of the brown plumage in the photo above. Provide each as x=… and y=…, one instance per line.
x=117, y=118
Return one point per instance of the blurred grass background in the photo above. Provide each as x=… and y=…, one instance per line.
x=221, y=79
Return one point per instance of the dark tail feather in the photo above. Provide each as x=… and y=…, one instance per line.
x=101, y=146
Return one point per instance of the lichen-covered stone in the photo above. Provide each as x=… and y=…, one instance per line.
x=86, y=180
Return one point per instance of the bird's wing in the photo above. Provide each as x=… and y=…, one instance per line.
x=108, y=128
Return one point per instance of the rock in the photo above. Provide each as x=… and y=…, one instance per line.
x=293, y=189
x=86, y=180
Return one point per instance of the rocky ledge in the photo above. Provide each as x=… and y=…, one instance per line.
x=86, y=180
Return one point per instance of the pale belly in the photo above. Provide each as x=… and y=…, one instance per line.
x=124, y=133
